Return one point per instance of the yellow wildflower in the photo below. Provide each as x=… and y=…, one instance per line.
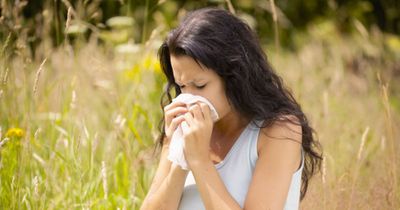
x=15, y=132
x=147, y=62
x=157, y=68
x=151, y=63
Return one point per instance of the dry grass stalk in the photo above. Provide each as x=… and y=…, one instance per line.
x=391, y=143
x=68, y=5
x=275, y=18
x=39, y=159
x=3, y=142
x=364, y=136
x=36, y=135
x=6, y=43
x=393, y=194
x=5, y=76
x=230, y=6
x=38, y=75
x=159, y=2
x=358, y=166
x=104, y=177
x=73, y=13
x=383, y=143
x=69, y=18
x=35, y=183
x=73, y=100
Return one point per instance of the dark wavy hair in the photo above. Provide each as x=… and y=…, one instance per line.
x=225, y=44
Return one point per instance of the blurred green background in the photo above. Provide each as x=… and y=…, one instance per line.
x=80, y=88
x=40, y=19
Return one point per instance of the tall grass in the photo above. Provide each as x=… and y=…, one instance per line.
x=337, y=80
x=78, y=122
x=89, y=120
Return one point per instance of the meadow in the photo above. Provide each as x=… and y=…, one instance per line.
x=78, y=122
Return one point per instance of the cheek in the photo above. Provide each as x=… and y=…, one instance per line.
x=223, y=107
x=220, y=102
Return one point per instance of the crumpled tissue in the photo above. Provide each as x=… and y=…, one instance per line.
x=175, y=154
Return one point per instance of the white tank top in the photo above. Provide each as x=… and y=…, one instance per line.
x=240, y=161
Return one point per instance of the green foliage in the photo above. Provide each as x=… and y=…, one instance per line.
x=61, y=18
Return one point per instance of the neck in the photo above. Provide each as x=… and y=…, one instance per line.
x=229, y=125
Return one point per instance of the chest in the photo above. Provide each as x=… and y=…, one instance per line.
x=221, y=145
x=218, y=151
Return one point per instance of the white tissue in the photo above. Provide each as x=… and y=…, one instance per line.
x=175, y=154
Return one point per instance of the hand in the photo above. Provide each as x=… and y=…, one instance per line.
x=197, y=129
x=173, y=117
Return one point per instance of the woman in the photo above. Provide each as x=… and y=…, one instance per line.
x=260, y=154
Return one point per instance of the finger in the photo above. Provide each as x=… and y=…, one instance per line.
x=185, y=127
x=174, y=104
x=175, y=123
x=169, y=108
x=206, y=112
x=196, y=111
x=173, y=113
x=189, y=119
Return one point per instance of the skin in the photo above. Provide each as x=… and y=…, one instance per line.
x=207, y=143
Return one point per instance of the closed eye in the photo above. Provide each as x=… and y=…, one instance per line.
x=198, y=87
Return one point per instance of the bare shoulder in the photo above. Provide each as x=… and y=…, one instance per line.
x=279, y=156
x=282, y=141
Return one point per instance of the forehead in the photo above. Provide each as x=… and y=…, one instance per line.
x=186, y=68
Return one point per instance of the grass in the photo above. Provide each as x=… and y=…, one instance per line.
x=89, y=114
x=89, y=122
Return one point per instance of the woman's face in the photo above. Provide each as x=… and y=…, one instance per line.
x=204, y=82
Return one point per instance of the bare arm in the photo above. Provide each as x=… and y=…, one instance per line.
x=279, y=149
x=167, y=194
x=212, y=190
x=162, y=170
x=167, y=185
x=278, y=159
